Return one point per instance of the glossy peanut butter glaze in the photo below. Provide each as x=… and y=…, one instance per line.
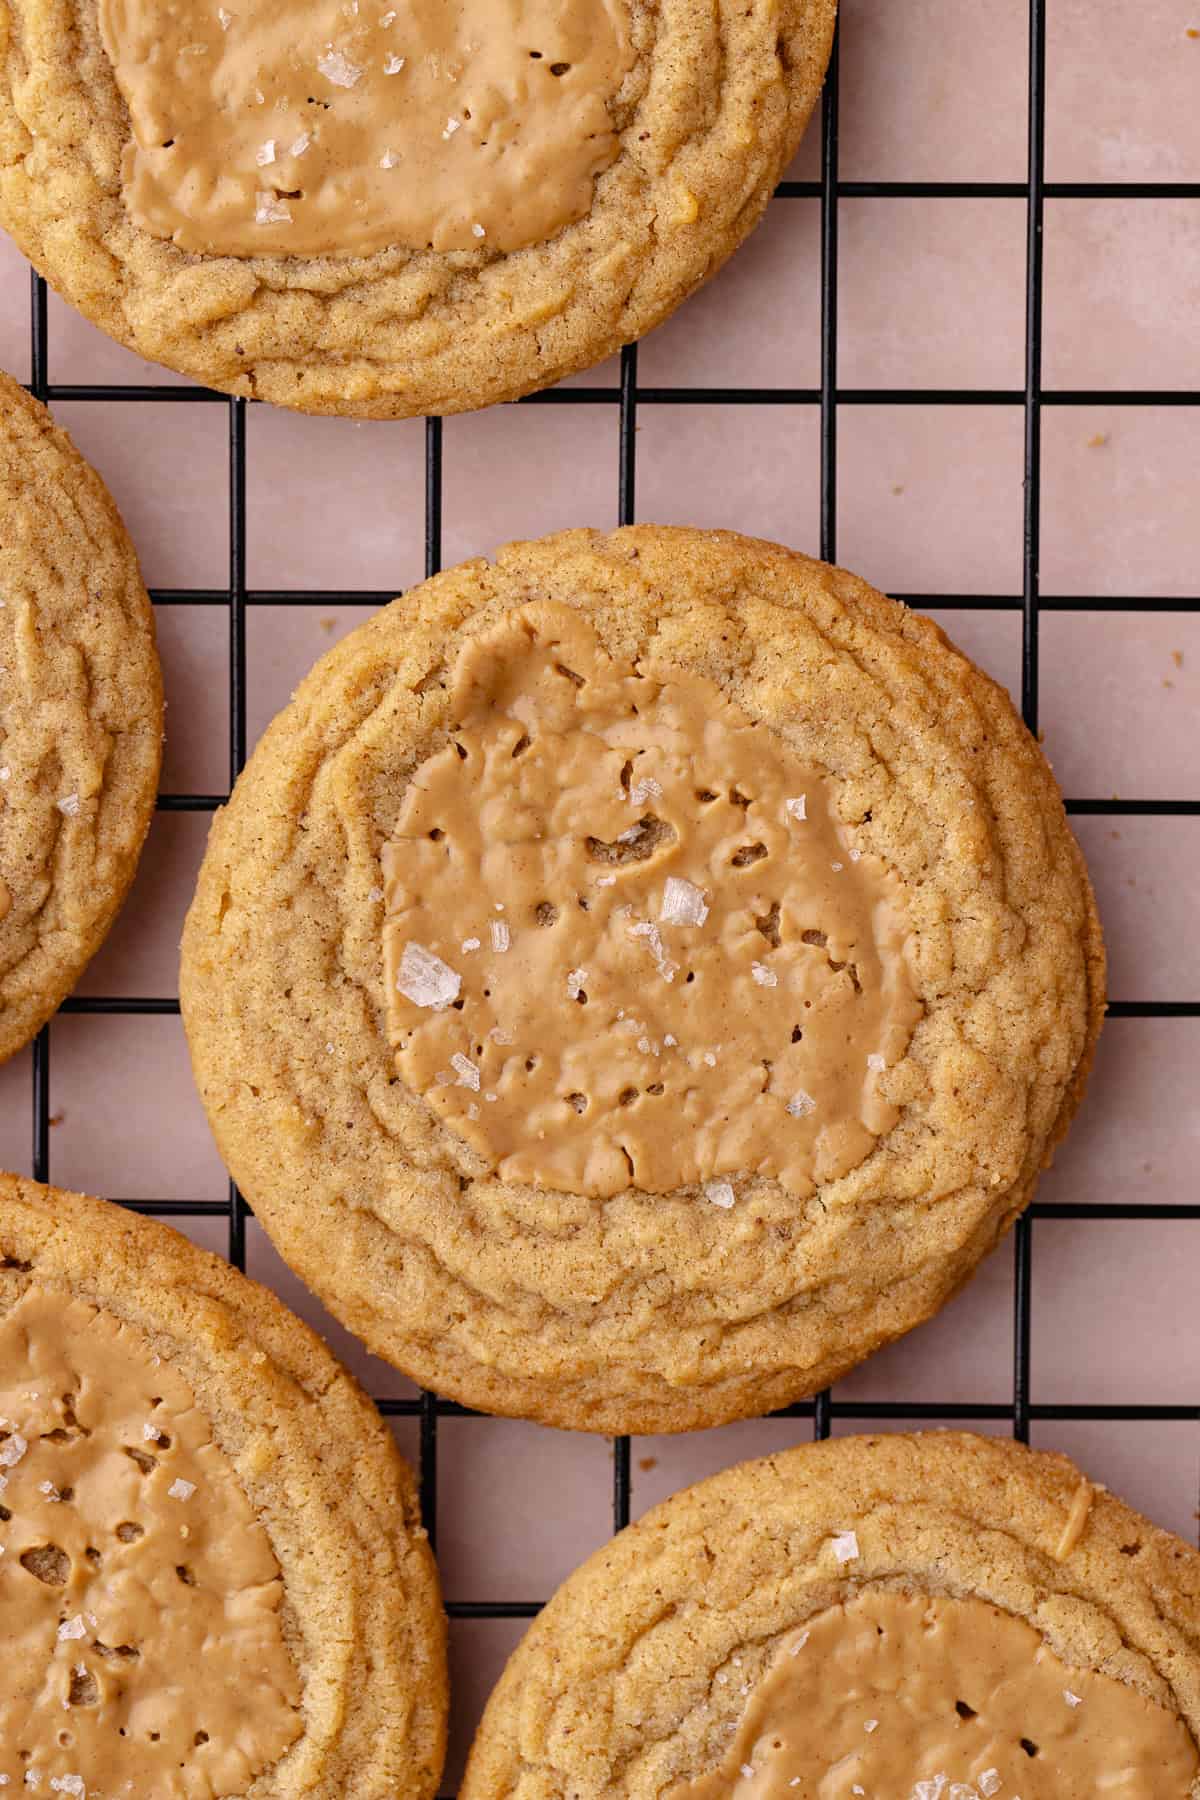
x=627, y=940
x=270, y=127
x=139, y=1595
x=906, y=1697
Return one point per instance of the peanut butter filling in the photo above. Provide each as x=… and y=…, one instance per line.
x=139, y=1595
x=904, y=1697
x=628, y=941
x=342, y=127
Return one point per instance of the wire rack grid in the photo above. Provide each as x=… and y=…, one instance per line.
x=627, y=397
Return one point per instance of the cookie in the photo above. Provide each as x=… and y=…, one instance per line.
x=80, y=715
x=938, y=1617
x=388, y=210
x=214, y=1578
x=639, y=975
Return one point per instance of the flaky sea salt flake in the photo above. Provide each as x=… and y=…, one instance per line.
x=845, y=1546
x=876, y=1063
x=575, y=981
x=338, y=69
x=12, y=1450
x=224, y=19
x=68, y=806
x=469, y=944
x=478, y=230
x=719, y=1193
x=601, y=880
x=388, y=160
x=452, y=125
x=799, y=1644
x=797, y=808
x=394, y=64
x=69, y=1784
x=265, y=153
x=763, y=976
x=871, y=1725
x=801, y=1104
x=464, y=1068
x=645, y=789
x=1072, y=1699
x=666, y=968
x=181, y=1489
x=683, y=903
x=297, y=147
x=501, y=936
x=269, y=209
x=426, y=980
x=989, y=1783
x=931, y=1789
x=72, y=1628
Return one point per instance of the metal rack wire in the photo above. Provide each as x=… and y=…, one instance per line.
x=628, y=396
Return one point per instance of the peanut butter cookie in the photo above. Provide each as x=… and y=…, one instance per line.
x=214, y=1580
x=900, y=1618
x=80, y=715
x=638, y=976
x=384, y=209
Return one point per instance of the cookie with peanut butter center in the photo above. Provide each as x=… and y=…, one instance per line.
x=213, y=1577
x=401, y=206
x=937, y=1617
x=81, y=715
x=639, y=975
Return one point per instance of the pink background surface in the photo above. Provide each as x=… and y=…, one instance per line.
x=932, y=294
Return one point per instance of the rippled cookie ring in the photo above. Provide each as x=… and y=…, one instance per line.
x=81, y=715
x=398, y=206
x=895, y=1618
x=213, y=1577
x=639, y=975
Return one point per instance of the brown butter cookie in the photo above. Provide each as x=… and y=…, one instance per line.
x=639, y=976
x=81, y=715
x=383, y=212
x=938, y=1617
x=214, y=1579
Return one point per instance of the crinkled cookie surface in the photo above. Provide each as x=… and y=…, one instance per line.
x=633, y=1680
x=249, y=1458
x=640, y=1310
x=708, y=117
x=81, y=715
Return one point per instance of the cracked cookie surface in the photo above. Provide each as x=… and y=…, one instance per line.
x=708, y=109
x=189, y=1479
x=340, y=1043
x=944, y=1616
x=81, y=715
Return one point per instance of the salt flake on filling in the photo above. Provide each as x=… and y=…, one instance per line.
x=683, y=903
x=270, y=210
x=338, y=69
x=426, y=980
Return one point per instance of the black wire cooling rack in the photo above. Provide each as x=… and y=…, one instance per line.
x=627, y=397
